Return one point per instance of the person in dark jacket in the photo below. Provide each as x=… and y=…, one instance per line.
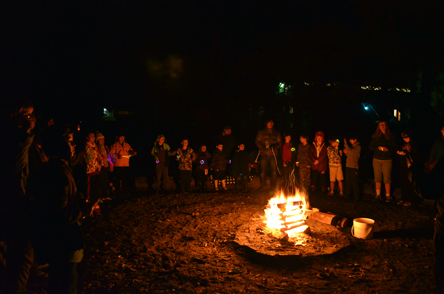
x=268, y=141
x=383, y=145
x=241, y=167
x=161, y=152
x=319, y=165
x=303, y=161
x=219, y=167
x=57, y=212
x=288, y=160
x=202, y=168
x=408, y=163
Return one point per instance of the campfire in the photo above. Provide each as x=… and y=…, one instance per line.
x=285, y=216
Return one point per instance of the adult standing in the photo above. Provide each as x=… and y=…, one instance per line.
x=268, y=141
x=436, y=153
x=161, y=152
x=106, y=166
x=57, y=213
x=17, y=251
x=93, y=167
x=227, y=139
x=383, y=145
x=121, y=152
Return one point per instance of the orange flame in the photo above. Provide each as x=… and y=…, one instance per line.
x=286, y=214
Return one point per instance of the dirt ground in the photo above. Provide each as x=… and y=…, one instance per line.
x=147, y=243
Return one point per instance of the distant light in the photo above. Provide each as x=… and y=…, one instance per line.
x=395, y=113
x=105, y=111
x=307, y=84
x=366, y=107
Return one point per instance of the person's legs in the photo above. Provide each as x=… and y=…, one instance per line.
x=159, y=173
x=118, y=177
x=377, y=171
x=273, y=170
x=387, y=172
x=305, y=176
x=165, y=177
x=438, y=240
x=264, y=166
x=348, y=182
x=183, y=180
x=188, y=180
x=355, y=183
x=19, y=257
x=62, y=277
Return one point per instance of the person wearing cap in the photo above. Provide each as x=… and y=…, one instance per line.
x=121, y=152
x=318, y=155
x=161, y=152
x=268, y=141
x=106, y=167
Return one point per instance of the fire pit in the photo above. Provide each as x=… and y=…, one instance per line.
x=285, y=230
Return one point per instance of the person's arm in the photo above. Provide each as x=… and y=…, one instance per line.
x=373, y=145
x=154, y=154
x=259, y=142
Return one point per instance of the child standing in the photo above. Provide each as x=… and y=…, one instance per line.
x=185, y=156
x=202, y=168
x=335, y=166
x=353, y=153
x=318, y=155
x=287, y=162
x=219, y=167
x=241, y=167
x=304, y=163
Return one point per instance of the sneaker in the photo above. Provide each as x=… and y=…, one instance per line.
x=378, y=197
x=331, y=193
x=407, y=204
x=341, y=194
x=388, y=198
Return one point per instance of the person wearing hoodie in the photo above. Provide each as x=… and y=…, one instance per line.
x=318, y=155
x=161, y=152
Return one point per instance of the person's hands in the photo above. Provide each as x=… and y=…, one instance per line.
x=316, y=162
x=345, y=141
x=340, y=152
x=401, y=152
x=382, y=148
x=345, y=151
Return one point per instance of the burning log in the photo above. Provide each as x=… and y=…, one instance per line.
x=330, y=219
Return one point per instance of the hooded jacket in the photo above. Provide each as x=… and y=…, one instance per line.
x=156, y=149
x=268, y=139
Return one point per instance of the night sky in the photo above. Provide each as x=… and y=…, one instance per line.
x=209, y=60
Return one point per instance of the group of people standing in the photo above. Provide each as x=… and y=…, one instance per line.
x=203, y=163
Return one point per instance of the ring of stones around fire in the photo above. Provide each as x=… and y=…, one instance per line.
x=320, y=239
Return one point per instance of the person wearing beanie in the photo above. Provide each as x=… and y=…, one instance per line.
x=318, y=155
x=161, y=152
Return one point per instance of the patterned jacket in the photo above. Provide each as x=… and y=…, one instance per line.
x=185, y=158
x=333, y=156
x=92, y=158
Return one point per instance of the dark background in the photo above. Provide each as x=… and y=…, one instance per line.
x=187, y=68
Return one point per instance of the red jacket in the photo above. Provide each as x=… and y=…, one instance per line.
x=322, y=158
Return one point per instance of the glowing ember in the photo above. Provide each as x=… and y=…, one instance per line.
x=286, y=214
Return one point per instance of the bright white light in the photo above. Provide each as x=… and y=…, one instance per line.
x=366, y=107
x=105, y=111
x=395, y=113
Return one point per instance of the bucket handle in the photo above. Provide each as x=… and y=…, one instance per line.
x=353, y=232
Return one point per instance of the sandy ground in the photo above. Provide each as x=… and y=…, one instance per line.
x=147, y=243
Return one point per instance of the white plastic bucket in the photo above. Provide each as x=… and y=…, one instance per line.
x=362, y=228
